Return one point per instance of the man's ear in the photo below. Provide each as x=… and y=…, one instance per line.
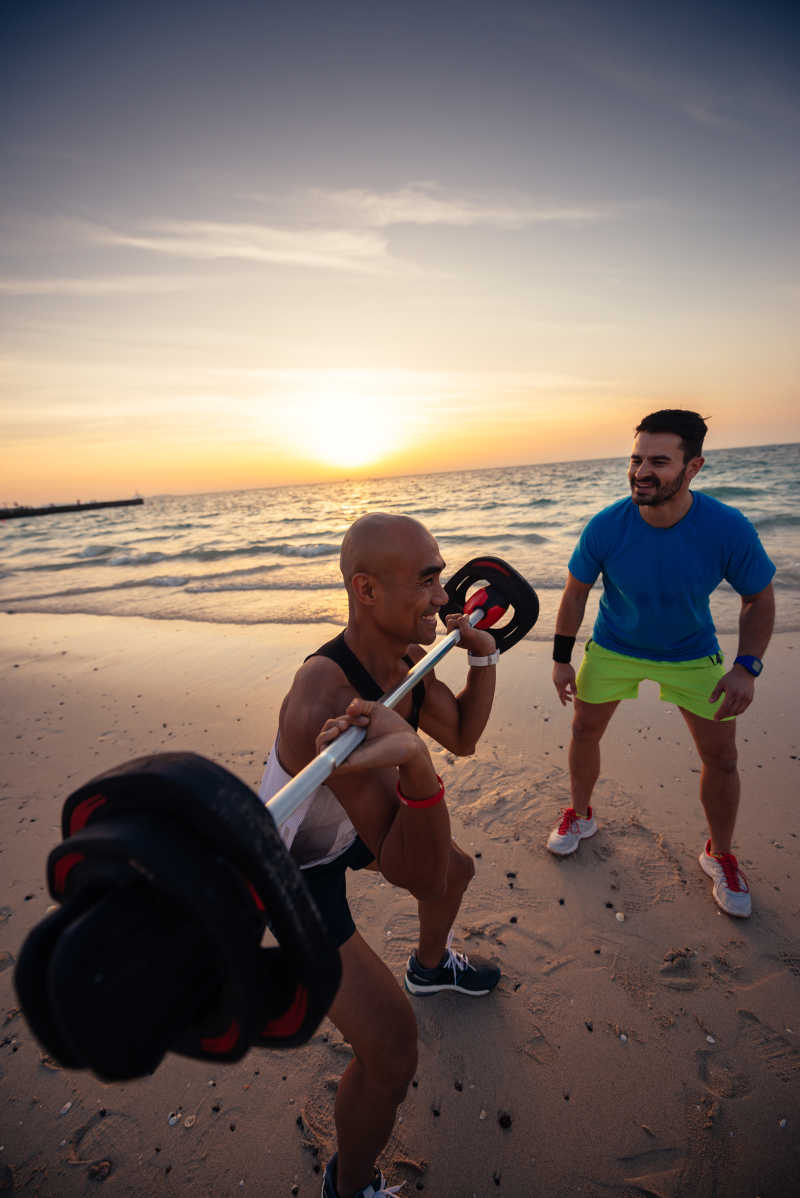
x=693, y=467
x=363, y=586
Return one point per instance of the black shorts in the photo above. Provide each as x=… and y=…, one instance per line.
x=328, y=887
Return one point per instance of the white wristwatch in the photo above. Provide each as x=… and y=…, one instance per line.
x=491, y=660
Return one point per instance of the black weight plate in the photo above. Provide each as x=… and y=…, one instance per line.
x=517, y=593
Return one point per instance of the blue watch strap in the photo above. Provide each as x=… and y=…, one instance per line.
x=753, y=665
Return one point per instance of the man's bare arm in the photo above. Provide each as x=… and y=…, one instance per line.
x=410, y=845
x=568, y=620
x=457, y=721
x=756, y=621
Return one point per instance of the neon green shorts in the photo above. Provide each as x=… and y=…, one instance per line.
x=605, y=676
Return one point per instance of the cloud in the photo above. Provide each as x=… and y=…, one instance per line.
x=105, y=285
x=424, y=204
x=363, y=251
x=464, y=383
x=701, y=105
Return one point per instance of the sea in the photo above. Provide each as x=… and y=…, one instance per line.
x=270, y=556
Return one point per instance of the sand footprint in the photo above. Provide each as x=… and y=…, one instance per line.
x=539, y=1048
x=678, y=969
x=720, y=1078
x=317, y=1128
x=102, y=1141
x=778, y=1053
x=656, y=1172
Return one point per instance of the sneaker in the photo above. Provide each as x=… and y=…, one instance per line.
x=454, y=972
x=573, y=828
x=731, y=889
x=377, y=1188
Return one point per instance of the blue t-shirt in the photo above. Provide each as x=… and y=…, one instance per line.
x=657, y=581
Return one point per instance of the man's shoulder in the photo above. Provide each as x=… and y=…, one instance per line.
x=318, y=676
x=714, y=511
x=319, y=691
x=319, y=686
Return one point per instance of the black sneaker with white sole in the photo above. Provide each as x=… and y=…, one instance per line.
x=376, y=1189
x=455, y=971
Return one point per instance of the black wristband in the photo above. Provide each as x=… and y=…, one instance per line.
x=562, y=648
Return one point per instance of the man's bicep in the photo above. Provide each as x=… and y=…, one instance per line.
x=440, y=710
x=576, y=588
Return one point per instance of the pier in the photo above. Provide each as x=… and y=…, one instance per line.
x=53, y=509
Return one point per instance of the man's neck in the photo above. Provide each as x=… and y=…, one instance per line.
x=664, y=515
x=380, y=655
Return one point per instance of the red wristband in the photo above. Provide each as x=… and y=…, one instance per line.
x=417, y=803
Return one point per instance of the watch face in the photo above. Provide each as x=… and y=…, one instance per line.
x=752, y=664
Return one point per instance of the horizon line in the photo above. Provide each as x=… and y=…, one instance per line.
x=369, y=478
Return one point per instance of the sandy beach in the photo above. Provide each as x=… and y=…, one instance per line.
x=655, y=1054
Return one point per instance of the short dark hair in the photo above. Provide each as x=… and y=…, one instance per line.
x=689, y=426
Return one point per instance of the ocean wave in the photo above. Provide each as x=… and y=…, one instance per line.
x=732, y=491
x=788, y=579
x=501, y=538
x=530, y=525
x=27, y=550
x=165, y=581
x=275, y=549
x=419, y=513
x=92, y=551
x=127, y=584
x=217, y=587
x=784, y=520
x=132, y=557
x=189, y=584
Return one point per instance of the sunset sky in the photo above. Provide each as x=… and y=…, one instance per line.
x=249, y=243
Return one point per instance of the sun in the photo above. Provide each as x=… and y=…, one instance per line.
x=349, y=434
x=346, y=427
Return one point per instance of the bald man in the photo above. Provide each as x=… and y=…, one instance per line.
x=383, y=809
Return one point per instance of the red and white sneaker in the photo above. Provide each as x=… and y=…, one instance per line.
x=572, y=829
x=731, y=889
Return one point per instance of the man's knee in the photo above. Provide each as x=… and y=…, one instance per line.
x=723, y=759
x=460, y=870
x=588, y=726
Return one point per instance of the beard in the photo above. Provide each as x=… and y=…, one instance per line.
x=659, y=494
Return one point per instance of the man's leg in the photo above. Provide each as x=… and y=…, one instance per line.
x=577, y=823
x=375, y=1017
x=588, y=725
x=437, y=915
x=719, y=781
x=719, y=794
x=435, y=966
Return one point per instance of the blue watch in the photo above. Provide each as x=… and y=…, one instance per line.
x=753, y=665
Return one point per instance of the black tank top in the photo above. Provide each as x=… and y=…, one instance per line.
x=361, y=680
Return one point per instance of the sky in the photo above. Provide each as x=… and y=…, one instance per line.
x=252, y=243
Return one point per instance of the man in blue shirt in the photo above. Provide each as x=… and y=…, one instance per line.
x=661, y=554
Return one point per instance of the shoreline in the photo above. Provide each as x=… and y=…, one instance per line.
x=710, y=1063
x=724, y=610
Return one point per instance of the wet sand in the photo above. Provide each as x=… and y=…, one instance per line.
x=654, y=1055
